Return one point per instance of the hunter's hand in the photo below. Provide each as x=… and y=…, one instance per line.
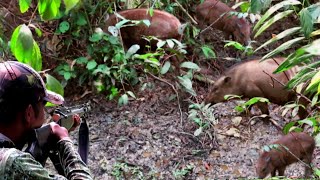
x=58, y=132
x=76, y=122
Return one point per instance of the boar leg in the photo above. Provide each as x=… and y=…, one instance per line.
x=273, y=173
x=281, y=170
x=308, y=170
x=302, y=112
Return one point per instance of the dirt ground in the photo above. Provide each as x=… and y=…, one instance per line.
x=147, y=140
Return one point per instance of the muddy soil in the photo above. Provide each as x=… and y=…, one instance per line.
x=147, y=139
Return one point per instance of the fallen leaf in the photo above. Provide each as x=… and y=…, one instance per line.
x=224, y=167
x=233, y=132
x=236, y=120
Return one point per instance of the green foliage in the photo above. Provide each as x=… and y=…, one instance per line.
x=122, y=170
x=245, y=106
x=202, y=114
x=181, y=174
x=246, y=49
x=24, y=47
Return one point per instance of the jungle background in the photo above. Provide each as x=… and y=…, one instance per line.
x=147, y=119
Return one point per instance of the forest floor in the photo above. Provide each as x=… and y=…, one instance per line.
x=149, y=139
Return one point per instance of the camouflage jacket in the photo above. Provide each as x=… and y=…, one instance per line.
x=16, y=164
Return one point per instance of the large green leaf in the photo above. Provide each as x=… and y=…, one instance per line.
x=292, y=60
x=48, y=9
x=259, y=5
x=24, y=48
x=313, y=48
x=282, y=47
x=274, y=9
x=54, y=85
x=70, y=4
x=279, y=36
x=306, y=22
x=272, y=20
x=24, y=5
x=304, y=74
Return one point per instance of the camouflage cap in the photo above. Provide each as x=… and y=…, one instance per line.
x=16, y=76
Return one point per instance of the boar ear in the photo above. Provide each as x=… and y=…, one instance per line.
x=239, y=25
x=267, y=159
x=226, y=79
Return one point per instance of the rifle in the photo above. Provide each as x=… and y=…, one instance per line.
x=38, y=146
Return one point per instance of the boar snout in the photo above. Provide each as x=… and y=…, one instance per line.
x=263, y=167
x=220, y=88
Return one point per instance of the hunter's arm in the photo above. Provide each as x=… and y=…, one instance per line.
x=74, y=167
x=15, y=164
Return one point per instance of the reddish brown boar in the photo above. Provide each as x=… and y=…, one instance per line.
x=163, y=26
x=299, y=144
x=252, y=79
x=210, y=11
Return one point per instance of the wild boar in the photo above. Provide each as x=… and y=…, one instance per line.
x=163, y=26
x=254, y=79
x=299, y=144
x=209, y=13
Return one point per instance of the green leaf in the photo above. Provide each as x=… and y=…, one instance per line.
x=208, y=52
x=24, y=48
x=282, y=47
x=123, y=100
x=306, y=22
x=313, y=48
x=54, y=85
x=132, y=50
x=151, y=12
x=288, y=126
x=235, y=45
x=96, y=37
x=24, y=5
x=64, y=26
x=272, y=20
x=314, y=81
x=187, y=84
x=279, y=36
x=131, y=94
x=48, y=9
x=190, y=65
x=70, y=4
x=81, y=60
x=165, y=67
x=160, y=43
x=91, y=65
x=146, y=22
x=274, y=9
x=67, y=75
x=81, y=20
x=198, y=131
x=170, y=43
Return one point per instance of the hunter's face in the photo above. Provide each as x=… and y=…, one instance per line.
x=39, y=117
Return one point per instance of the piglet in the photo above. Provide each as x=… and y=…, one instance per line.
x=209, y=13
x=299, y=144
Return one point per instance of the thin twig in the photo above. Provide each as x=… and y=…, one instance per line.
x=174, y=89
x=33, y=14
x=185, y=11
